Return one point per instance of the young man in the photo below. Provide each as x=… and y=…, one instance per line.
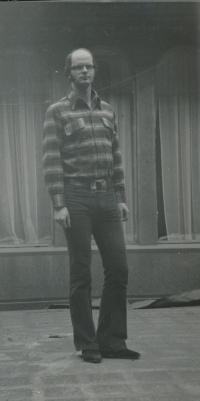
x=85, y=179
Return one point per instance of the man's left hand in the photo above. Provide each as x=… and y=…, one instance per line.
x=124, y=212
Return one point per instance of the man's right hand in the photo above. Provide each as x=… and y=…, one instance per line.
x=62, y=217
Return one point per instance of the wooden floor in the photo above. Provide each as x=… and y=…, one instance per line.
x=38, y=361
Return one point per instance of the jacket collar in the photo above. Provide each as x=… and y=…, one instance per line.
x=78, y=102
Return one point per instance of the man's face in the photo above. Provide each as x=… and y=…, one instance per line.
x=83, y=75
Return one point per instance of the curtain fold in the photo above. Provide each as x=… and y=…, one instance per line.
x=177, y=87
x=25, y=209
x=180, y=136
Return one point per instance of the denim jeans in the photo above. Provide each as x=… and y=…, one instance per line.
x=97, y=214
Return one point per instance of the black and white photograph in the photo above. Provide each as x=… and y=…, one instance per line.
x=99, y=201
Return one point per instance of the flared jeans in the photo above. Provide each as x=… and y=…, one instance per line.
x=97, y=214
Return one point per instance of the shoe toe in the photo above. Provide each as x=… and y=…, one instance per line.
x=92, y=356
x=120, y=354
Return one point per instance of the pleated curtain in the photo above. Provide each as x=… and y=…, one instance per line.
x=177, y=87
x=25, y=210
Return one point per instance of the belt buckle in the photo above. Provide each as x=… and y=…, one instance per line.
x=98, y=185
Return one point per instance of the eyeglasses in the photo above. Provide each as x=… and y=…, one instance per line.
x=80, y=67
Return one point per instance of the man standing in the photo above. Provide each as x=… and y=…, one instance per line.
x=85, y=179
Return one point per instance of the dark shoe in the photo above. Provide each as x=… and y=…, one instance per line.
x=120, y=354
x=91, y=355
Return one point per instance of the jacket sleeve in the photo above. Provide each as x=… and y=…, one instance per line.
x=52, y=161
x=118, y=171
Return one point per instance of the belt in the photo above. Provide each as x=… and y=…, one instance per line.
x=94, y=185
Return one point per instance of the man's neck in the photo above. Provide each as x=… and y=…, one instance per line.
x=83, y=93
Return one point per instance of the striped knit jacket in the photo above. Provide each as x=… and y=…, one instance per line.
x=81, y=143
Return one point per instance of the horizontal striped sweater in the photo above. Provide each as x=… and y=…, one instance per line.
x=80, y=142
